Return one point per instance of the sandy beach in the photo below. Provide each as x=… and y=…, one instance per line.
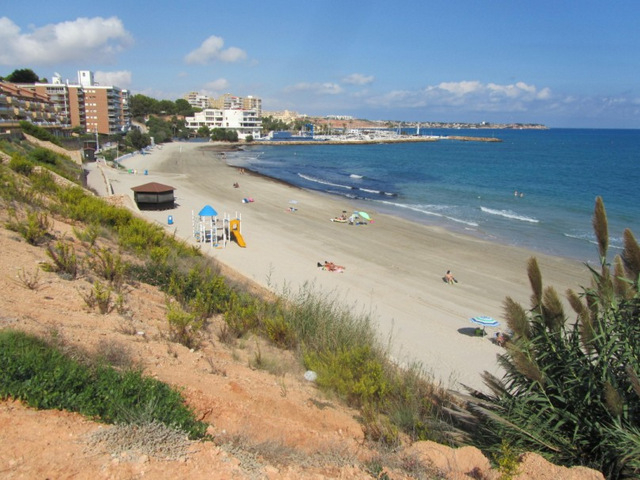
x=393, y=268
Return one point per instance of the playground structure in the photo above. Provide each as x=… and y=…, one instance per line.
x=207, y=228
x=234, y=231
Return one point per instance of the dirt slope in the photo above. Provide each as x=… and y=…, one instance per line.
x=266, y=425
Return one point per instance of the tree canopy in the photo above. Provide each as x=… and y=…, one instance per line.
x=137, y=139
x=141, y=105
x=22, y=75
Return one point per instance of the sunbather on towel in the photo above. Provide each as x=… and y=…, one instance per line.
x=332, y=267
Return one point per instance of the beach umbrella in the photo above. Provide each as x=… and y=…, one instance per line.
x=208, y=211
x=485, y=321
x=364, y=215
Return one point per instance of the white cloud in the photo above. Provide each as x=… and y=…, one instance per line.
x=97, y=39
x=457, y=88
x=358, y=79
x=216, y=87
x=211, y=49
x=326, y=88
x=120, y=79
x=470, y=95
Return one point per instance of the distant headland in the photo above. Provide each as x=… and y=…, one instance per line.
x=359, y=131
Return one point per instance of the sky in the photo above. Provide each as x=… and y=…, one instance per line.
x=561, y=63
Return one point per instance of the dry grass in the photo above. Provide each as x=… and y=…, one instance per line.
x=154, y=439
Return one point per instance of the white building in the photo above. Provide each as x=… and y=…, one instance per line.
x=244, y=122
x=196, y=100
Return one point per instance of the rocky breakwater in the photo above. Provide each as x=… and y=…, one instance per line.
x=399, y=139
x=473, y=139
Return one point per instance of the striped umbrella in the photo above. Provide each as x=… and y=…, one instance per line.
x=485, y=321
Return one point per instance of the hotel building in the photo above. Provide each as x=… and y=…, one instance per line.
x=245, y=122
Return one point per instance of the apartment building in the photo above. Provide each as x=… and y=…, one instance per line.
x=196, y=100
x=18, y=103
x=106, y=107
x=68, y=99
x=244, y=122
x=95, y=108
x=225, y=102
x=252, y=103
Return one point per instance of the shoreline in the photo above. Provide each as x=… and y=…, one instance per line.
x=394, y=267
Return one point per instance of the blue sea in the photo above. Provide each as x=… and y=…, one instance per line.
x=470, y=187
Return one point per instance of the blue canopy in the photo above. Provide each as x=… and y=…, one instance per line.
x=208, y=211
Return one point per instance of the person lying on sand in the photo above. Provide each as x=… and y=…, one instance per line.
x=332, y=267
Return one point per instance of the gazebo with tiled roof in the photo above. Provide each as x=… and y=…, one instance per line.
x=154, y=196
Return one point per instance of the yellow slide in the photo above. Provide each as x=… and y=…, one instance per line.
x=237, y=236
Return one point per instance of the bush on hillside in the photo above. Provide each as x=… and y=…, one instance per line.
x=43, y=155
x=39, y=132
x=572, y=391
x=40, y=375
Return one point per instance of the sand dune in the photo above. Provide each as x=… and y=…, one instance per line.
x=394, y=268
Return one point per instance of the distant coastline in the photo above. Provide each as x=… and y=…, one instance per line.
x=376, y=140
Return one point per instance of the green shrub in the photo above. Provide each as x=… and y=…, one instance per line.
x=41, y=376
x=241, y=314
x=379, y=429
x=89, y=234
x=355, y=373
x=184, y=327
x=99, y=297
x=43, y=182
x=571, y=392
x=21, y=165
x=205, y=291
x=64, y=259
x=108, y=265
x=39, y=132
x=508, y=461
x=34, y=229
x=279, y=331
x=43, y=155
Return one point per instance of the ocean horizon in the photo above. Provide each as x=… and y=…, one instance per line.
x=535, y=189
